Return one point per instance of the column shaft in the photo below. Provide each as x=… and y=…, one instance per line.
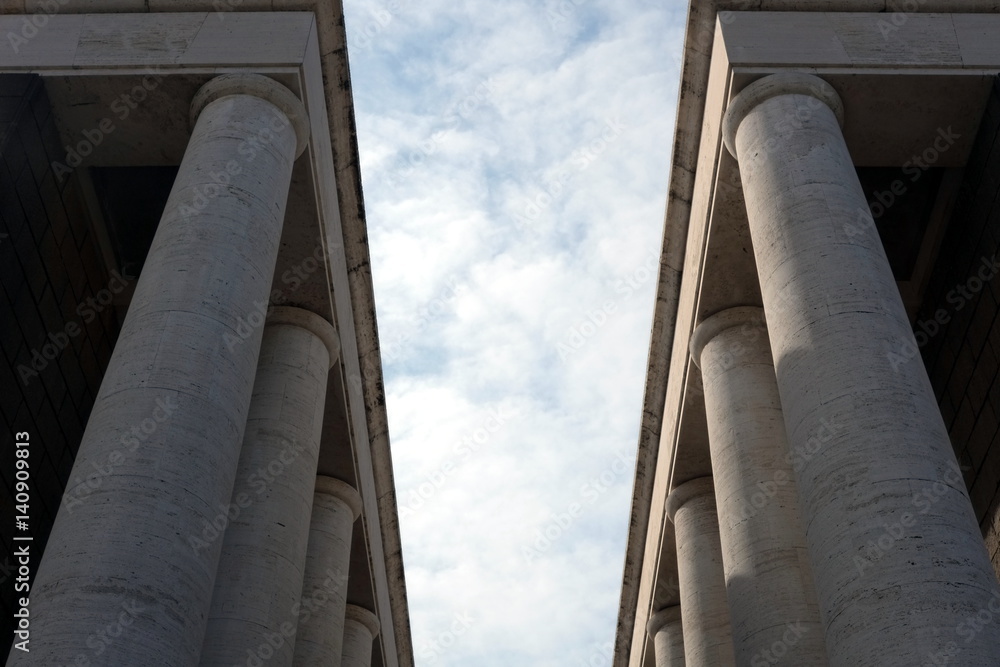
x=772, y=598
x=705, y=612
x=264, y=552
x=167, y=423
x=668, y=637
x=324, y=588
x=360, y=629
x=899, y=562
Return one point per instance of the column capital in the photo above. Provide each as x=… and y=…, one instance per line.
x=700, y=486
x=740, y=316
x=341, y=490
x=364, y=617
x=311, y=322
x=256, y=85
x=663, y=617
x=775, y=85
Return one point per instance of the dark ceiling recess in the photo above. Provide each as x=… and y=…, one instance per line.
x=132, y=200
x=901, y=200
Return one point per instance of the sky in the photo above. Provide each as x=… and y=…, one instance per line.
x=515, y=160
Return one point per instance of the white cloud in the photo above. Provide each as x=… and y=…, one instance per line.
x=515, y=160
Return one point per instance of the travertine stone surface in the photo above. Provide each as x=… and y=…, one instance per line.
x=668, y=637
x=899, y=563
x=360, y=629
x=321, y=631
x=264, y=552
x=292, y=110
x=772, y=598
x=705, y=612
x=168, y=421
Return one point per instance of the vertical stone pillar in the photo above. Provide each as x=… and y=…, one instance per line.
x=899, y=562
x=707, y=634
x=264, y=552
x=668, y=637
x=772, y=598
x=165, y=432
x=320, y=638
x=360, y=629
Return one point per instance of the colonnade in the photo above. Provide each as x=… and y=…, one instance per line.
x=807, y=545
x=234, y=443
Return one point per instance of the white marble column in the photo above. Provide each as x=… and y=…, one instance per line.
x=264, y=552
x=320, y=637
x=772, y=598
x=360, y=629
x=167, y=424
x=704, y=610
x=668, y=637
x=899, y=562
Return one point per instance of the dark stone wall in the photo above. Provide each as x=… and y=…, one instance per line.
x=56, y=335
x=959, y=329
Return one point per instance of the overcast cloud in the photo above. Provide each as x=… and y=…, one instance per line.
x=515, y=160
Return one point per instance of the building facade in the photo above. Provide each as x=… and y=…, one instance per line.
x=199, y=469
x=819, y=461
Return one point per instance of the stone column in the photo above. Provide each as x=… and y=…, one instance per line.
x=772, y=598
x=707, y=634
x=165, y=432
x=324, y=588
x=264, y=551
x=360, y=629
x=899, y=562
x=668, y=637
